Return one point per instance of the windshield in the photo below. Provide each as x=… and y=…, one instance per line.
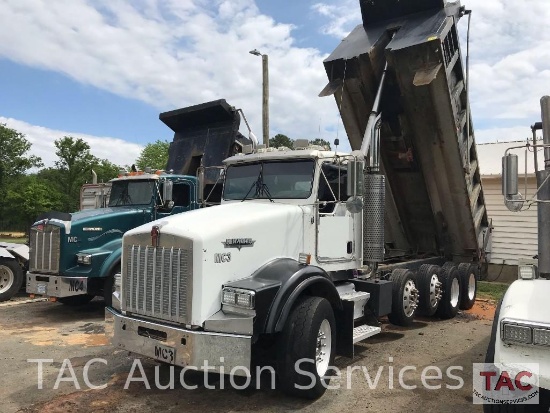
x=269, y=180
x=131, y=193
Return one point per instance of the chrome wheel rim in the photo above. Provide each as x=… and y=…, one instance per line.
x=7, y=278
x=410, y=298
x=455, y=292
x=471, y=286
x=324, y=348
x=435, y=291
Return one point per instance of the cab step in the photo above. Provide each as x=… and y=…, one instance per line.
x=362, y=332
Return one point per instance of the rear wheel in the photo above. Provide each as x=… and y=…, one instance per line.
x=450, y=300
x=306, y=348
x=404, y=297
x=468, y=285
x=429, y=289
x=11, y=278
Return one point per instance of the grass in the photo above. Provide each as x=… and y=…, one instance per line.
x=13, y=237
x=491, y=290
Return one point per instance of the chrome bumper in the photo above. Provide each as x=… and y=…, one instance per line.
x=194, y=349
x=55, y=285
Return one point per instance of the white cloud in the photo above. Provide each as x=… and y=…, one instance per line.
x=42, y=139
x=175, y=53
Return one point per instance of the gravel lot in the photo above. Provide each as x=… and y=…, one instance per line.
x=44, y=330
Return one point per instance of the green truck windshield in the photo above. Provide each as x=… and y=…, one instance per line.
x=125, y=193
x=269, y=180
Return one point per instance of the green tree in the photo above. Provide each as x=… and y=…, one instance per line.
x=14, y=159
x=75, y=165
x=30, y=197
x=154, y=155
x=321, y=142
x=281, y=140
x=105, y=170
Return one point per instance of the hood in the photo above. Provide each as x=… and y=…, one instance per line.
x=229, y=242
x=226, y=220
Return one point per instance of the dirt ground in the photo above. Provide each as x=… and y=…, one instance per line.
x=43, y=330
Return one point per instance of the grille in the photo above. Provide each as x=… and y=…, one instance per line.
x=45, y=244
x=373, y=222
x=157, y=282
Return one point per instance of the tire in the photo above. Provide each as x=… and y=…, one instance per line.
x=429, y=289
x=404, y=297
x=109, y=287
x=300, y=339
x=76, y=300
x=468, y=285
x=11, y=278
x=450, y=300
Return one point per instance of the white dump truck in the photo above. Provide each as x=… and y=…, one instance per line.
x=310, y=247
x=521, y=327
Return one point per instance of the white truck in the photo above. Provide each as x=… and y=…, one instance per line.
x=309, y=247
x=521, y=327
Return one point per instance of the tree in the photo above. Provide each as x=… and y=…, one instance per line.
x=29, y=197
x=75, y=166
x=154, y=155
x=281, y=140
x=14, y=160
x=105, y=170
x=320, y=142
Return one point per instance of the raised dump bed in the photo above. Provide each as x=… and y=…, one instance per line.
x=434, y=200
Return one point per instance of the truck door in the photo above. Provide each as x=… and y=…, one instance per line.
x=334, y=222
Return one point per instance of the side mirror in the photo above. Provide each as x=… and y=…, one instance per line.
x=355, y=178
x=512, y=198
x=509, y=175
x=167, y=189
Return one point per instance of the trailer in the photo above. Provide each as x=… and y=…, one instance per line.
x=75, y=256
x=14, y=259
x=310, y=248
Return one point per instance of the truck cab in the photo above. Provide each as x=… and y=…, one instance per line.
x=73, y=254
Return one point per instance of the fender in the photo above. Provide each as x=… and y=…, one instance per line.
x=112, y=261
x=278, y=284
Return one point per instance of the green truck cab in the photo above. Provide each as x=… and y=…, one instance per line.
x=75, y=256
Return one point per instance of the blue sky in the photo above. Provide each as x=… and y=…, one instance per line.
x=103, y=70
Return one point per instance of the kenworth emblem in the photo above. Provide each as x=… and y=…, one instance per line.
x=238, y=243
x=155, y=235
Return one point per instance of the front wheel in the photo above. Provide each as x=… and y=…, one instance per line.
x=306, y=348
x=11, y=278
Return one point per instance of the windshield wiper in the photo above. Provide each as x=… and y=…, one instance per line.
x=261, y=189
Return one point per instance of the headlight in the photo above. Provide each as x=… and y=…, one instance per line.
x=516, y=334
x=527, y=272
x=238, y=297
x=85, y=259
x=520, y=332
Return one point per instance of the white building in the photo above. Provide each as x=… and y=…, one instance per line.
x=514, y=233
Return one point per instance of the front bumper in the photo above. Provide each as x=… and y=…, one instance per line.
x=193, y=349
x=55, y=285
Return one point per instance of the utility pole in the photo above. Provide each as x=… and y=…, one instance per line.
x=265, y=95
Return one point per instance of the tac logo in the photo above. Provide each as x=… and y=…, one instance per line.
x=505, y=384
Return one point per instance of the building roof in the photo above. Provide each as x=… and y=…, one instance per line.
x=490, y=157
